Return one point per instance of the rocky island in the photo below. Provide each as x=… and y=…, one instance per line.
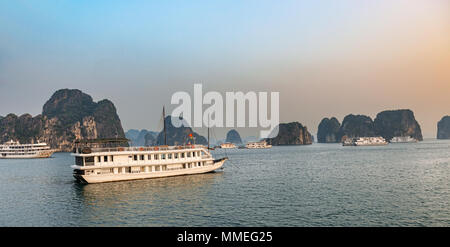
x=291, y=134
x=179, y=136
x=140, y=137
x=68, y=115
x=389, y=124
x=356, y=126
x=328, y=131
x=444, y=128
x=233, y=137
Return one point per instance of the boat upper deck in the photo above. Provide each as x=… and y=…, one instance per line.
x=135, y=150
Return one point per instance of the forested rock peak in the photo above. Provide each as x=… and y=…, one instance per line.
x=233, y=137
x=328, y=131
x=392, y=123
x=444, y=128
x=69, y=114
x=293, y=133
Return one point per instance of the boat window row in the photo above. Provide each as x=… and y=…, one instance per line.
x=165, y=156
x=141, y=169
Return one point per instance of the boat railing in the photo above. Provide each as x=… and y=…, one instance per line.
x=135, y=149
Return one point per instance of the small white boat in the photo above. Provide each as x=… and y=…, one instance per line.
x=403, y=139
x=365, y=141
x=16, y=150
x=258, y=145
x=227, y=145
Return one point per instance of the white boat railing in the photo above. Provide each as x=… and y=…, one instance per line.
x=138, y=149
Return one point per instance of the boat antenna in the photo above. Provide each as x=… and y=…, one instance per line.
x=208, y=132
x=164, y=122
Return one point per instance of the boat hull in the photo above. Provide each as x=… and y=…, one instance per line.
x=94, y=178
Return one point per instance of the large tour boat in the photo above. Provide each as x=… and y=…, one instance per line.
x=108, y=164
x=108, y=160
x=16, y=150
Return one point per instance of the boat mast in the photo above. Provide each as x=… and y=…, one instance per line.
x=164, y=122
x=208, y=132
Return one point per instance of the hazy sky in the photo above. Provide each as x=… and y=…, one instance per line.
x=326, y=58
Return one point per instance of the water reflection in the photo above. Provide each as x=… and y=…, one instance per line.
x=149, y=198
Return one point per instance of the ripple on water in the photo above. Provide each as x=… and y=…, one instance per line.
x=317, y=185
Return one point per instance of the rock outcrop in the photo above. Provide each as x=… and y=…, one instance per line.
x=356, y=126
x=291, y=134
x=68, y=115
x=389, y=124
x=444, y=128
x=179, y=136
x=150, y=138
x=139, y=137
x=328, y=131
x=233, y=137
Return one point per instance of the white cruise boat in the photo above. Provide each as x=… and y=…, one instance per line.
x=108, y=164
x=227, y=145
x=365, y=141
x=257, y=145
x=15, y=150
x=403, y=139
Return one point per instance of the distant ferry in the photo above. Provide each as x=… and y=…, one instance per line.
x=403, y=139
x=365, y=141
x=108, y=164
x=257, y=145
x=227, y=145
x=15, y=150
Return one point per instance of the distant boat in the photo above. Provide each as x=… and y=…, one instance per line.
x=403, y=139
x=258, y=145
x=365, y=141
x=227, y=145
x=15, y=150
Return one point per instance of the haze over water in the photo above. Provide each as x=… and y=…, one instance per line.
x=316, y=185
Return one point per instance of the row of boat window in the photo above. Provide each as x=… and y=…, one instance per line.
x=164, y=156
x=131, y=169
x=22, y=153
x=25, y=147
x=89, y=161
x=23, y=150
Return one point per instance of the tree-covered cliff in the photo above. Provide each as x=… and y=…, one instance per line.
x=233, y=137
x=179, y=136
x=68, y=115
x=389, y=124
x=291, y=134
x=444, y=128
x=328, y=131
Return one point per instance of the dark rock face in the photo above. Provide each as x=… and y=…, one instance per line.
x=389, y=124
x=69, y=114
x=150, y=138
x=291, y=134
x=179, y=136
x=444, y=128
x=328, y=131
x=24, y=128
x=356, y=126
x=233, y=137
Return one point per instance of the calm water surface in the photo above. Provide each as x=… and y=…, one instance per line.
x=316, y=185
